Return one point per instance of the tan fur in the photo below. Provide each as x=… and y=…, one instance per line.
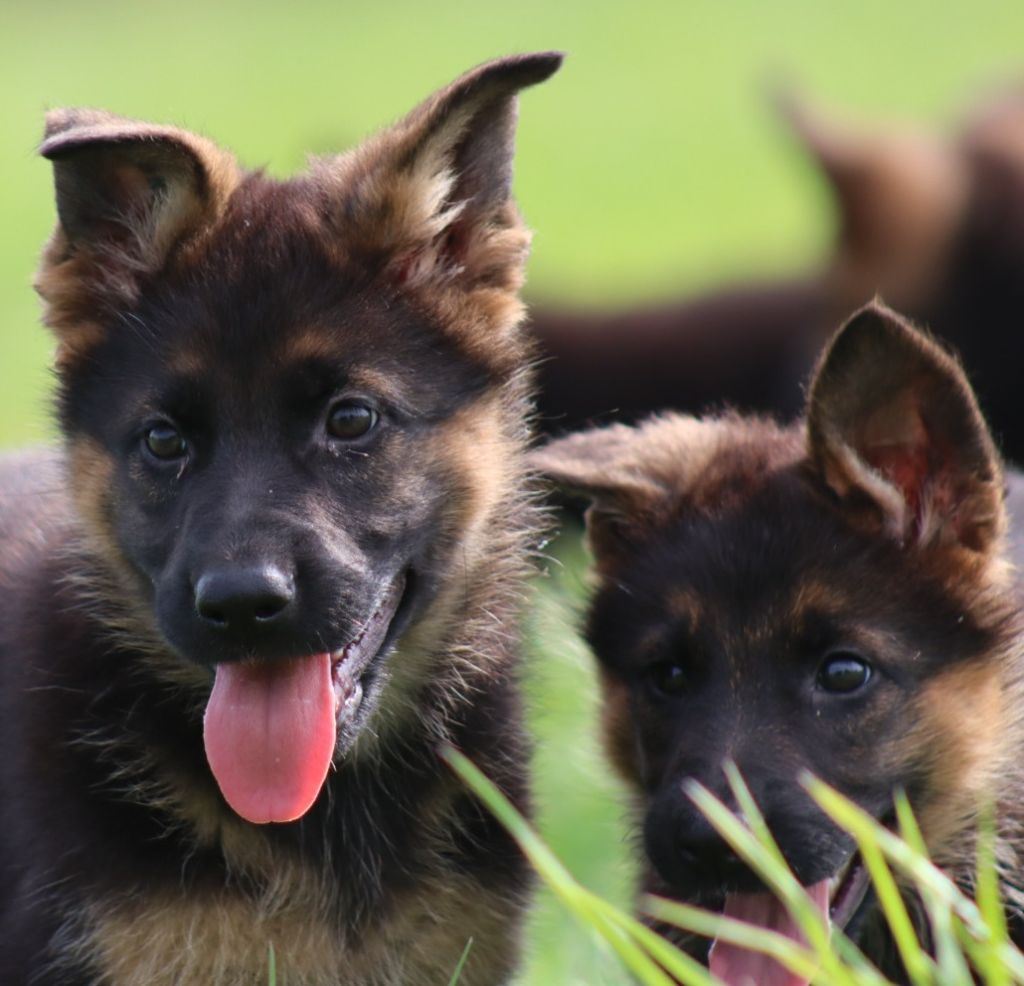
x=485, y=461
x=972, y=739
x=684, y=605
x=225, y=941
x=92, y=472
x=617, y=729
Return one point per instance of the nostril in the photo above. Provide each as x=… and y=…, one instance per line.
x=269, y=608
x=211, y=613
x=242, y=598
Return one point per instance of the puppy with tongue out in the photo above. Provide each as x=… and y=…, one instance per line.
x=280, y=558
x=826, y=598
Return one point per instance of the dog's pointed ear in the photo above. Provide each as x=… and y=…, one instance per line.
x=126, y=193
x=895, y=431
x=429, y=199
x=601, y=467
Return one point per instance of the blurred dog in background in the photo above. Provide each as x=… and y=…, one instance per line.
x=933, y=223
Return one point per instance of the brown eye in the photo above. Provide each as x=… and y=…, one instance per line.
x=349, y=420
x=165, y=442
x=667, y=678
x=844, y=672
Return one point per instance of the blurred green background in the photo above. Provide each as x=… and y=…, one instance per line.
x=651, y=166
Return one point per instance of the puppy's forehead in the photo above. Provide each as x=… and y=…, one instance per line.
x=777, y=557
x=270, y=293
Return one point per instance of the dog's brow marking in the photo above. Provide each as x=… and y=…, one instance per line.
x=310, y=344
x=684, y=605
x=816, y=596
x=187, y=363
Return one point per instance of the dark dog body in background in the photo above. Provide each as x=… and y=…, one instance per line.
x=294, y=416
x=832, y=597
x=935, y=224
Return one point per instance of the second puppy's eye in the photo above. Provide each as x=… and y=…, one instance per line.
x=844, y=672
x=165, y=442
x=349, y=420
x=668, y=678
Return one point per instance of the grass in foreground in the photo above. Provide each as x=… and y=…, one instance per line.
x=969, y=937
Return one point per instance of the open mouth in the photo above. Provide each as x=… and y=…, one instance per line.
x=837, y=899
x=847, y=890
x=350, y=664
x=271, y=728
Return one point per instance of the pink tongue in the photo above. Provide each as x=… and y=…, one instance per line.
x=270, y=733
x=737, y=966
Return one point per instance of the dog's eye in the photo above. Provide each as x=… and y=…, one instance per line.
x=165, y=442
x=844, y=672
x=349, y=420
x=667, y=678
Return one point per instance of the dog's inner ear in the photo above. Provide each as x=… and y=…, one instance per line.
x=894, y=425
x=431, y=196
x=601, y=467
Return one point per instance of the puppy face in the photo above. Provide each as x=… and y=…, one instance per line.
x=273, y=444
x=812, y=599
x=289, y=406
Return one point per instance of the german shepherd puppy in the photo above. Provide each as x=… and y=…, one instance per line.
x=830, y=597
x=279, y=559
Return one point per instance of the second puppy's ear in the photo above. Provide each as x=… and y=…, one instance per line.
x=895, y=431
x=601, y=467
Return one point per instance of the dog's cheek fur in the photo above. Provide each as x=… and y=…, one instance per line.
x=618, y=730
x=965, y=731
x=484, y=502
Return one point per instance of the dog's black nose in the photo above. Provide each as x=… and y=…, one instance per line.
x=685, y=847
x=242, y=599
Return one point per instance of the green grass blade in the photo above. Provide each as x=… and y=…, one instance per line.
x=949, y=953
x=461, y=964
x=936, y=886
x=990, y=903
x=863, y=829
x=777, y=875
x=673, y=960
x=795, y=957
x=271, y=965
x=576, y=898
x=909, y=830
